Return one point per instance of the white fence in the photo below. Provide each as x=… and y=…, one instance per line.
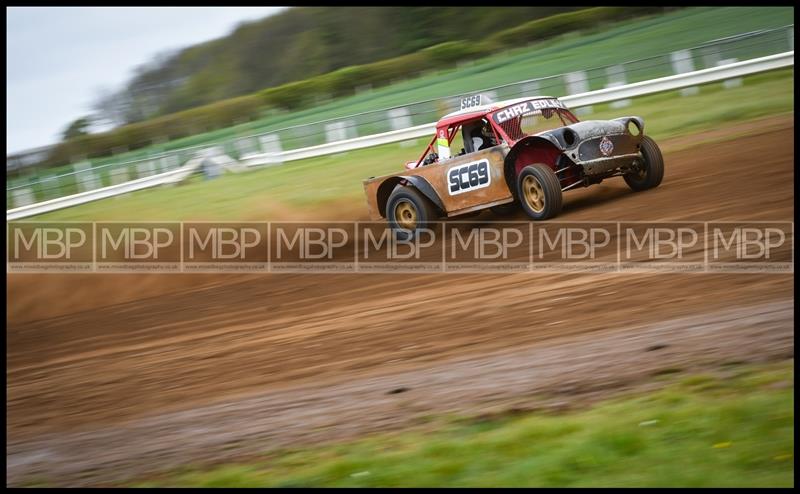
x=609, y=94
x=41, y=185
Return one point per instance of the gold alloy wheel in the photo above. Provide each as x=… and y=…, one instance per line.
x=534, y=195
x=406, y=215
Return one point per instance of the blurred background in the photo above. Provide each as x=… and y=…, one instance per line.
x=306, y=76
x=235, y=114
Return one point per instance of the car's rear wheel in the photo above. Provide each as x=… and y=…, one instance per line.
x=651, y=169
x=539, y=192
x=408, y=211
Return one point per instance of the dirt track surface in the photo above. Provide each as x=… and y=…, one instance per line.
x=197, y=367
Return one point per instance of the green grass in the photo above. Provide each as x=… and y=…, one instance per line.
x=607, y=44
x=317, y=185
x=734, y=429
x=575, y=51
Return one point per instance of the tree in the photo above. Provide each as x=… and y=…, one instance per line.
x=79, y=127
x=294, y=45
x=109, y=107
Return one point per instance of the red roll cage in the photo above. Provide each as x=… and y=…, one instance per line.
x=509, y=113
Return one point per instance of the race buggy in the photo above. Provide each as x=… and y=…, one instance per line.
x=516, y=153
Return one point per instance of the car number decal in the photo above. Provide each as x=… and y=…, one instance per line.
x=471, y=101
x=468, y=177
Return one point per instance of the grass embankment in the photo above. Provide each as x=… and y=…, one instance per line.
x=317, y=186
x=625, y=41
x=730, y=430
x=604, y=45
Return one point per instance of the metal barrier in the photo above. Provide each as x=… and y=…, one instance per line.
x=678, y=81
x=295, y=142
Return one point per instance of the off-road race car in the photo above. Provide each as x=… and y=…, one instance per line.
x=516, y=153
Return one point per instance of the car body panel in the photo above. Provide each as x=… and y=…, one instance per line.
x=586, y=150
x=438, y=175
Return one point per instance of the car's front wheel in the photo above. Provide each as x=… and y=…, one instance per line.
x=651, y=168
x=408, y=211
x=539, y=192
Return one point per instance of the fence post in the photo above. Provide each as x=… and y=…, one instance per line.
x=578, y=83
x=400, y=118
x=145, y=168
x=681, y=63
x=530, y=89
x=271, y=143
x=711, y=58
x=729, y=83
x=85, y=176
x=22, y=197
x=211, y=168
x=119, y=175
x=333, y=132
x=616, y=78
x=340, y=131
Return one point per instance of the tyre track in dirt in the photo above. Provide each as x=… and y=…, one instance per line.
x=554, y=375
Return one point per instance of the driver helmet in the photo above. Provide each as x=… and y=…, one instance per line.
x=488, y=133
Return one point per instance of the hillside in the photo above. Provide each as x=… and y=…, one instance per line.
x=311, y=91
x=300, y=43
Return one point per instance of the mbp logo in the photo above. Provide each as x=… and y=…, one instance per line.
x=310, y=243
x=766, y=246
x=50, y=247
x=382, y=249
x=48, y=243
x=495, y=247
x=135, y=243
x=123, y=247
x=575, y=246
x=225, y=246
x=747, y=243
x=397, y=247
x=662, y=246
x=224, y=242
x=312, y=246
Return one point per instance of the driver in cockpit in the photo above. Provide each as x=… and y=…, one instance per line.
x=483, y=137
